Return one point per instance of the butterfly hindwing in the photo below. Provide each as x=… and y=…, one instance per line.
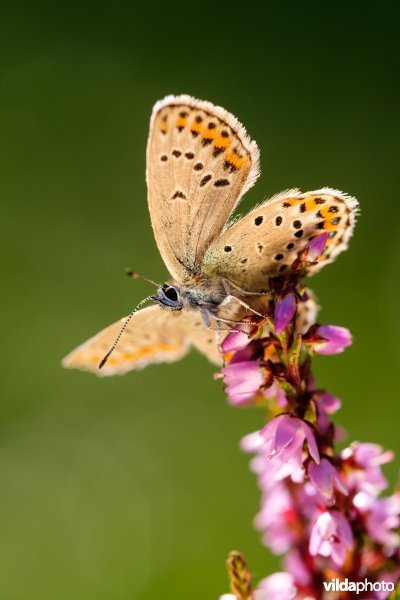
x=265, y=242
x=200, y=161
x=153, y=335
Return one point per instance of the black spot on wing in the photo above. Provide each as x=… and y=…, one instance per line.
x=205, y=180
x=179, y=194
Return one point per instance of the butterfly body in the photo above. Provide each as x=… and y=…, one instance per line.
x=206, y=295
x=200, y=162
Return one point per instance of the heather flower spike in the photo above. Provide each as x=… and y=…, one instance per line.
x=320, y=508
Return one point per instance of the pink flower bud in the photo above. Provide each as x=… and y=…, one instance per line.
x=325, y=478
x=337, y=339
x=316, y=247
x=234, y=341
x=285, y=309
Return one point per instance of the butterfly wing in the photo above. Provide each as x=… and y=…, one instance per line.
x=266, y=241
x=200, y=161
x=153, y=336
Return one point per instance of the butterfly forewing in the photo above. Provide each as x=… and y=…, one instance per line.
x=264, y=243
x=200, y=161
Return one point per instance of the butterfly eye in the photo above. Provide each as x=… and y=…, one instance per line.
x=168, y=295
x=171, y=294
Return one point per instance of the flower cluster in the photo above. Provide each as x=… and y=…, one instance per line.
x=321, y=508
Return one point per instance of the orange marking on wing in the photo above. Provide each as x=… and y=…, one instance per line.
x=329, y=226
x=181, y=122
x=209, y=134
x=145, y=351
x=235, y=160
x=197, y=127
x=133, y=356
x=311, y=204
x=164, y=127
x=327, y=213
x=222, y=142
x=291, y=202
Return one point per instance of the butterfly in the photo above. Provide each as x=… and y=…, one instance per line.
x=200, y=162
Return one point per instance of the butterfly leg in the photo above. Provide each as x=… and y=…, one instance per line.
x=204, y=316
x=228, y=284
x=230, y=297
x=217, y=330
x=217, y=336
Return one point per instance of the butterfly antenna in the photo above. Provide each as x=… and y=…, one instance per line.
x=128, y=318
x=135, y=275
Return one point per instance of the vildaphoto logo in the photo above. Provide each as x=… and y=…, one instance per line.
x=338, y=585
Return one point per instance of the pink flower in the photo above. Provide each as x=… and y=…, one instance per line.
x=382, y=518
x=363, y=467
x=316, y=247
x=243, y=380
x=252, y=442
x=308, y=501
x=326, y=478
x=332, y=536
x=234, y=341
x=277, y=516
x=295, y=564
x=268, y=469
x=326, y=405
x=278, y=586
x=388, y=576
x=285, y=309
x=336, y=339
x=274, y=392
x=284, y=437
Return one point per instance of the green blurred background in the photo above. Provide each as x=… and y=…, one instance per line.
x=134, y=487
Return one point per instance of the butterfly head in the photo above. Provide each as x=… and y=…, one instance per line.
x=169, y=295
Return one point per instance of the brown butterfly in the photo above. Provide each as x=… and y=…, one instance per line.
x=200, y=162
